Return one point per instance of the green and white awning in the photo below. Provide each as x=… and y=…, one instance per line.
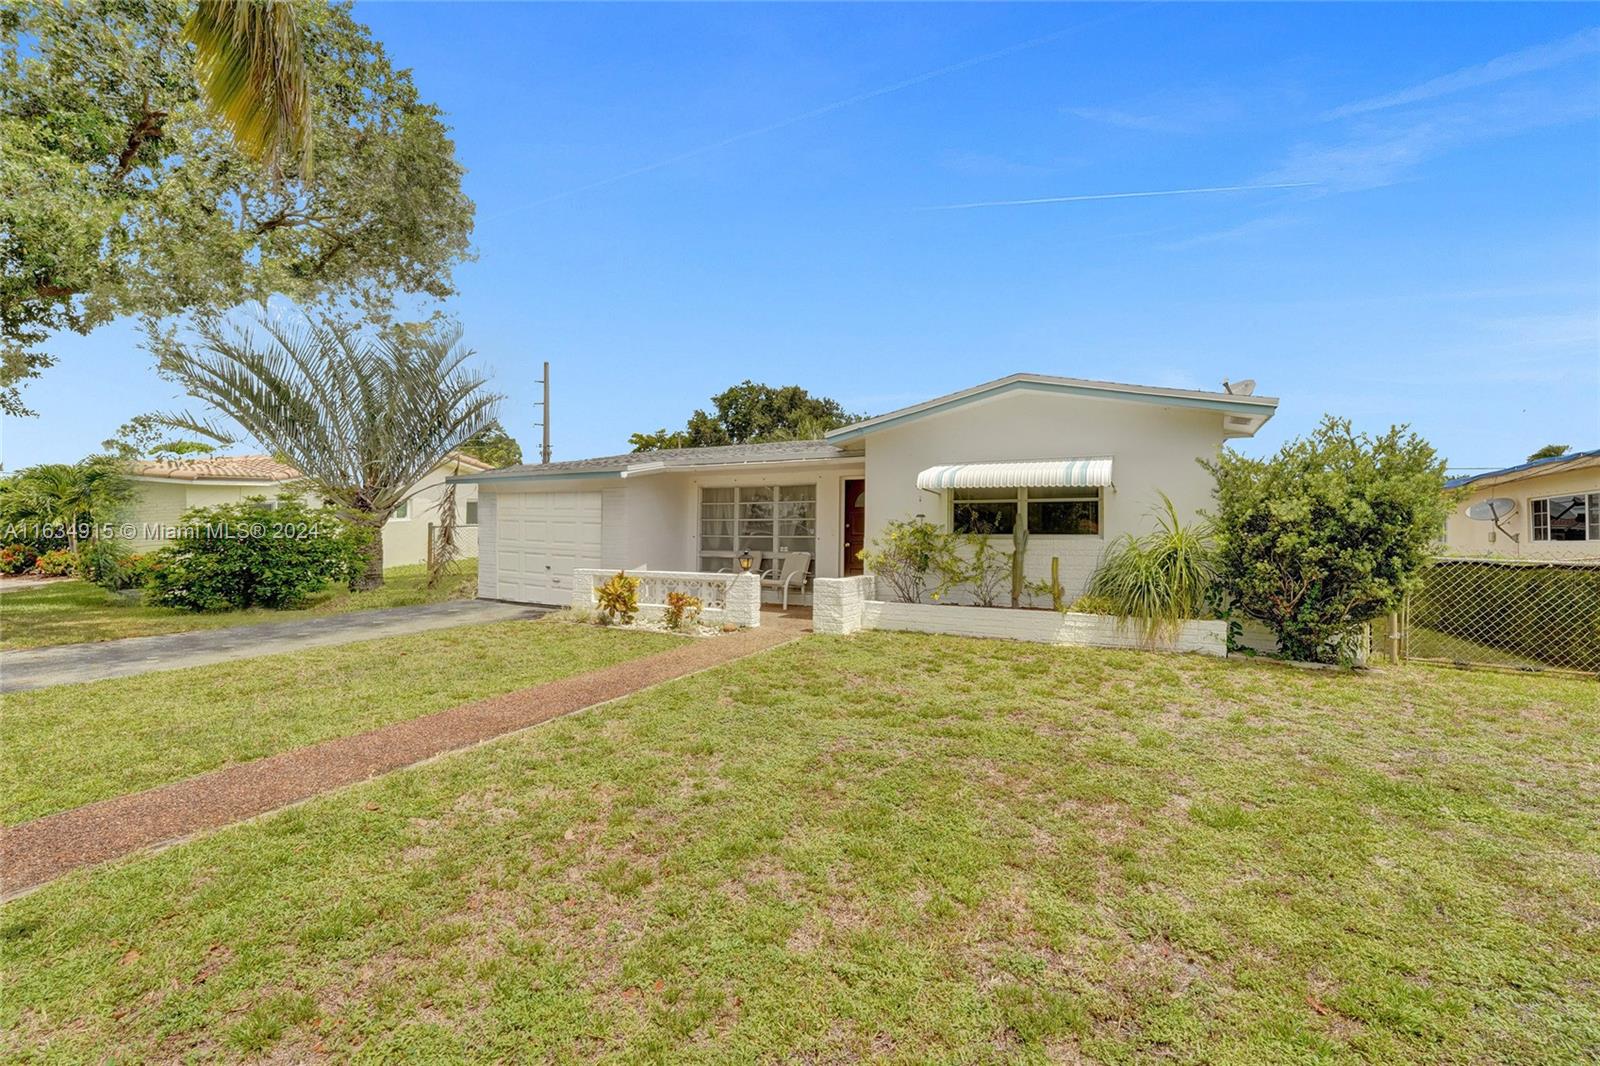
x=1090, y=473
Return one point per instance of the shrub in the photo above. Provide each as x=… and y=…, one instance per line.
x=1090, y=604
x=905, y=555
x=971, y=561
x=1328, y=534
x=101, y=561
x=1161, y=578
x=619, y=599
x=252, y=555
x=17, y=559
x=682, y=608
x=57, y=563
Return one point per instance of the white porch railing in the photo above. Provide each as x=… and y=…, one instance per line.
x=734, y=598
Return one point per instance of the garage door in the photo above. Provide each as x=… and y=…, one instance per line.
x=539, y=538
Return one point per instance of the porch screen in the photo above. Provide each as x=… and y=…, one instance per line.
x=771, y=519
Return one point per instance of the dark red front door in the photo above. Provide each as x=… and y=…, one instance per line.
x=855, y=524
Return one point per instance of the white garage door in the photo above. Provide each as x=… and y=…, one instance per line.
x=539, y=538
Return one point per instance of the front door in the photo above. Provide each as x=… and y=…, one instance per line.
x=855, y=524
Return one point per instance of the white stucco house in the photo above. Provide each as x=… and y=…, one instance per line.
x=165, y=488
x=1078, y=462
x=1545, y=509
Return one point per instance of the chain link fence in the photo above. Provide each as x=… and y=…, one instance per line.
x=1519, y=614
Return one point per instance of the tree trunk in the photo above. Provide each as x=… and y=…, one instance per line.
x=372, y=576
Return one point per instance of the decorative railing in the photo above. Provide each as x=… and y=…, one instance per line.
x=732, y=598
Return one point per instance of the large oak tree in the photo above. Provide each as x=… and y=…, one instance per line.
x=121, y=193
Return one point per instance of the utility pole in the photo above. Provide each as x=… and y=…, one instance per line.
x=544, y=449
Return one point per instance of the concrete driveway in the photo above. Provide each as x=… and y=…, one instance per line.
x=73, y=663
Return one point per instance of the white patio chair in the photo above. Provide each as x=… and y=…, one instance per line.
x=795, y=565
x=755, y=565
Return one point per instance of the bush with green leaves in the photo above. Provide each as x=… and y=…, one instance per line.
x=905, y=556
x=972, y=562
x=255, y=554
x=1162, y=578
x=1328, y=534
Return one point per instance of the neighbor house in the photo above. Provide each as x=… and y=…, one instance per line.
x=1075, y=463
x=165, y=488
x=1544, y=509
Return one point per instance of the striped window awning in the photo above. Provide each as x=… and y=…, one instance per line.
x=1091, y=473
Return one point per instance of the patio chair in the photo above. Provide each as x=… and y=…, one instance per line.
x=755, y=565
x=795, y=565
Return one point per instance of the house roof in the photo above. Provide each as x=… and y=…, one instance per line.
x=1533, y=468
x=1244, y=414
x=262, y=468
x=635, y=464
x=216, y=468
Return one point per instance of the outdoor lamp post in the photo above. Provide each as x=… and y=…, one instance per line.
x=745, y=561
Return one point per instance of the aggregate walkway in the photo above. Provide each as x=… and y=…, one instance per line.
x=71, y=663
x=39, y=851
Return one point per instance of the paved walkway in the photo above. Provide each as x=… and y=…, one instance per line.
x=39, y=851
x=71, y=663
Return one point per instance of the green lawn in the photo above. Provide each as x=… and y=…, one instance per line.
x=889, y=847
x=75, y=612
x=68, y=745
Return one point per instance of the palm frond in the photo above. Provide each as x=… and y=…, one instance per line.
x=251, y=66
x=363, y=419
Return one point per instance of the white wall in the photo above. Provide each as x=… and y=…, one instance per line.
x=405, y=540
x=1463, y=536
x=1154, y=449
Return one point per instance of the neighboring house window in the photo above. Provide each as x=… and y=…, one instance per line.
x=1566, y=518
x=1046, y=512
x=771, y=519
x=402, y=513
x=471, y=511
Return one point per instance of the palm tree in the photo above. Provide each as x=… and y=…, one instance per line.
x=250, y=62
x=68, y=495
x=363, y=417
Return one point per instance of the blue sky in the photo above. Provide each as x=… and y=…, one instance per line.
x=674, y=198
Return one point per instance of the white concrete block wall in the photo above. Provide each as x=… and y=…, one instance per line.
x=837, y=603
x=1043, y=627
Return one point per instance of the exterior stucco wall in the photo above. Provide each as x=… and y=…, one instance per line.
x=405, y=541
x=1463, y=536
x=156, y=505
x=1154, y=449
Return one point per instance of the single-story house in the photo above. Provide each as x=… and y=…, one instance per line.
x=1544, y=509
x=1077, y=463
x=165, y=488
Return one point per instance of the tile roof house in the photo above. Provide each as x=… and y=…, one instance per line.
x=165, y=488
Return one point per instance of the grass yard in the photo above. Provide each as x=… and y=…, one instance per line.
x=889, y=847
x=75, y=612
x=68, y=745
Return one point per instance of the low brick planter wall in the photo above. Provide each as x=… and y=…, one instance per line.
x=845, y=605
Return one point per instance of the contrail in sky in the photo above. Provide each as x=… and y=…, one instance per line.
x=1119, y=196
x=806, y=116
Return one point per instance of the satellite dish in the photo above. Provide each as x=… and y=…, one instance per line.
x=1239, y=388
x=1501, y=507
